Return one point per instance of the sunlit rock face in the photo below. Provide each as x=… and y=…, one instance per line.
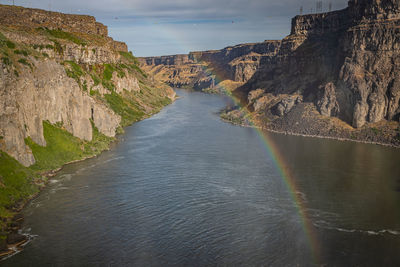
x=38, y=88
x=345, y=62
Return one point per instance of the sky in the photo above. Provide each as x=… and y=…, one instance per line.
x=168, y=27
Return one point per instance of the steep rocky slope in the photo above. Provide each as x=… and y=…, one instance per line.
x=335, y=75
x=343, y=65
x=66, y=90
x=204, y=70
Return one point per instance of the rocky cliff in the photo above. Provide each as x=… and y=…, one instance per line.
x=205, y=69
x=66, y=89
x=346, y=63
x=338, y=69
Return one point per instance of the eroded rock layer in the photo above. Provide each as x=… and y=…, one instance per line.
x=345, y=62
x=63, y=69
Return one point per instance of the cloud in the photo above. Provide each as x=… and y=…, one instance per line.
x=156, y=27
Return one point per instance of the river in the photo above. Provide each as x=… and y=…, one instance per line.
x=184, y=188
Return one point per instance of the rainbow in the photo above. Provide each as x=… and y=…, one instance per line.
x=285, y=173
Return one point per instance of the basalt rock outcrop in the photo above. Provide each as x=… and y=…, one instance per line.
x=345, y=62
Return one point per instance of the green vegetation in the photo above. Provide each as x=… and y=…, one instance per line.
x=108, y=84
x=125, y=107
x=6, y=61
x=130, y=57
x=60, y=34
x=63, y=147
x=138, y=69
x=25, y=62
x=94, y=92
x=74, y=71
x=10, y=44
x=376, y=131
x=36, y=46
x=21, y=52
x=58, y=48
x=133, y=63
x=95, y=78
x=84, y=86
x=108, y=71
x=3, y=39
x=17, y=183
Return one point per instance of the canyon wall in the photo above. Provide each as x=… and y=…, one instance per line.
x=204, y=69
x=339, y=69
x=35, y=18
x=71, y=76
x=345, y=62
x=30, y=18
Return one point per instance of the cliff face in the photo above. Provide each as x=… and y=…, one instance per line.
x=62, y=69
x=202, y=70
x=345, y=62
x=47, y=93
x=15, y=16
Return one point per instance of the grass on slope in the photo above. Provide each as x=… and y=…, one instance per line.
x=16, y=184
x=63, y=147
x=125, y=107
x=60, y=34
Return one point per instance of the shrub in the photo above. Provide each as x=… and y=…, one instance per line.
x=95, y=78
x=74, y=71
x=60, y=34
x=6, y=61
x=10, y=44
x=108, y=71
x=36, y=46
x=23, y=61
x=21, y=52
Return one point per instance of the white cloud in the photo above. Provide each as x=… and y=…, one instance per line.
x=156, y=27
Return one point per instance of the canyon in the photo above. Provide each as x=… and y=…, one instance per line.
x=335, y=75
x=67, y=88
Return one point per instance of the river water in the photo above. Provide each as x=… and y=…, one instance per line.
x=184, y=188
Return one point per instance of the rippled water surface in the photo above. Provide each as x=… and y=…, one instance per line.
x=185, y=188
